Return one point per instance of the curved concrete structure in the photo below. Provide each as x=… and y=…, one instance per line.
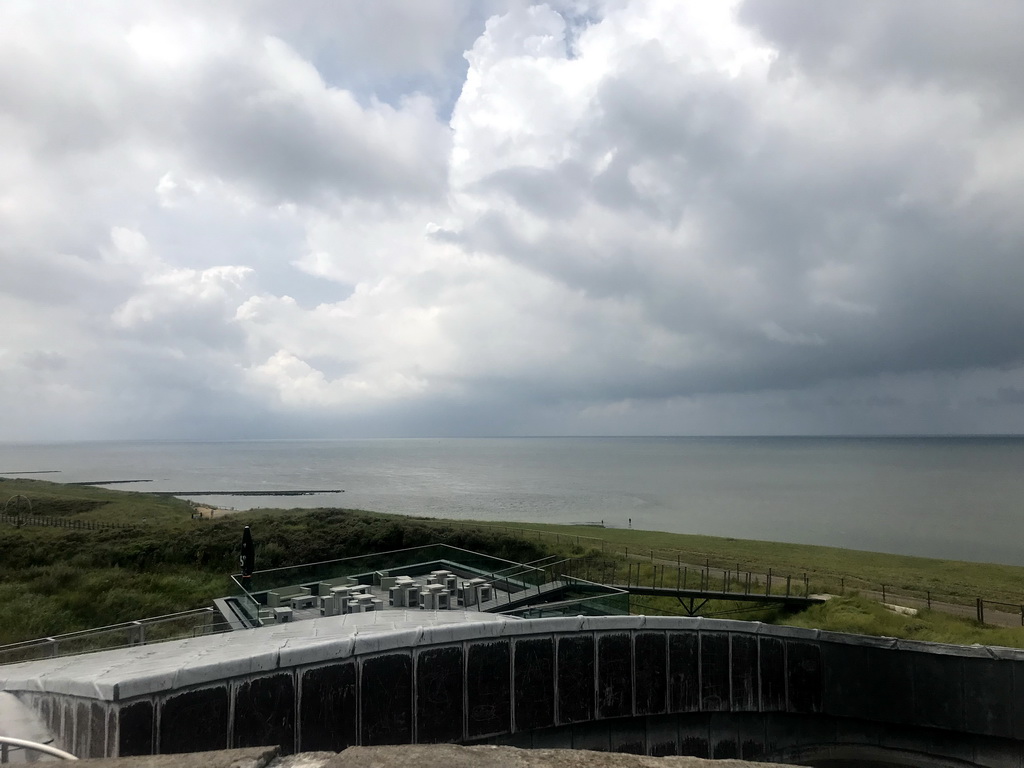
x=654, y=685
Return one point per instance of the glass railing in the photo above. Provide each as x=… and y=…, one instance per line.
x=538, y=588
x=574, y=597
x=249, y=607
x=173, y=626
x=415, y=561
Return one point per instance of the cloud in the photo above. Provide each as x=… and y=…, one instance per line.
x=733, y=203
x=916, y=44
x=493, y=218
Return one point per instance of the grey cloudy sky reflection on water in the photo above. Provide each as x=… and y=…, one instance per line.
x=508, y=218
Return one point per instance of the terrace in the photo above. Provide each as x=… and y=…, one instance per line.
x=435, y=584
x=431, y=578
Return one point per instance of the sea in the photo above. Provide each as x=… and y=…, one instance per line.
x=948, y=497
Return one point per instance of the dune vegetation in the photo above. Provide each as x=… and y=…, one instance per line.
x=830, y=569
x=63, y=579
x=118, y=556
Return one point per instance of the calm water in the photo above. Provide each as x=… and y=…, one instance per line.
x=940, y=497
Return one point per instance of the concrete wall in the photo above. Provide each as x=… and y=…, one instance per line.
x=638, y=684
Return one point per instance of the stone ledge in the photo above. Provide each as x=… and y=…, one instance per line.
x=452, y=756
x=251, y=757
x=415, y=756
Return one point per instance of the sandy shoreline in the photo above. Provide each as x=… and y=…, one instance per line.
x=206, y=511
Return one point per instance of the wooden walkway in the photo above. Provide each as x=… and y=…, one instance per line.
x=695, y=598
x=705, y=595
x=504, y=601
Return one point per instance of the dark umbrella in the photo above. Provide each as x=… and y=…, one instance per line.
x=247, y=557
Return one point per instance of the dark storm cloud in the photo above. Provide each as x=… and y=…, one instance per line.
x=511, y=218
x=1011, y=396
x=930, y=286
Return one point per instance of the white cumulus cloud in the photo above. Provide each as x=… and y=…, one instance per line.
x=510, y=217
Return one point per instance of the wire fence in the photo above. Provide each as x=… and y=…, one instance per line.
x=608, y=563
x=61, y=522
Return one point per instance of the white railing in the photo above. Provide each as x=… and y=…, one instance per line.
x=126, y=634
x=7, y=742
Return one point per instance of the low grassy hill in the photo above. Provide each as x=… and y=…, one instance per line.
x=146, y=556
x=117, y=556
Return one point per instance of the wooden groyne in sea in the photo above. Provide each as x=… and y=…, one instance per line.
x=298, y=492
x=243, y=493
x=107, y=482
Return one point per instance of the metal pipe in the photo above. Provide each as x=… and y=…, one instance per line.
x=36, y=746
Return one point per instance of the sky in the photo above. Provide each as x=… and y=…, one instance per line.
x=253, y=219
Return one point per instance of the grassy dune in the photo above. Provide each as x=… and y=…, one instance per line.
x=859, y=615
x=55, y=580
x=827, y=567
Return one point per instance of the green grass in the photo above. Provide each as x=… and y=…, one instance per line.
x=47, y=600
x=854, y=614
x=57, y=580
x=860, y=615
x=82, y=502
x=829, y=568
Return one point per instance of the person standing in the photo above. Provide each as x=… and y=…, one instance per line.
x=247, y=558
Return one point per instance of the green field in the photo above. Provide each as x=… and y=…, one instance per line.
x=829, y=569
x=159, y=560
